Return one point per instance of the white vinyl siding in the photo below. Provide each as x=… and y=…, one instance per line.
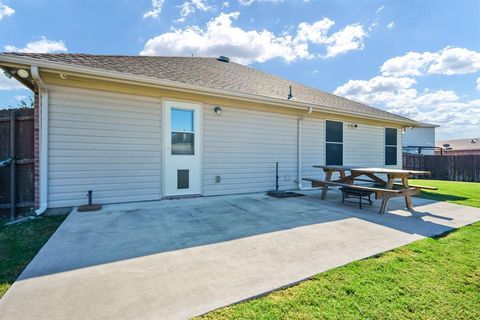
x=363, y=146
x=112, y=144
x=313, y=148
x=104, y=142
x=241, y=146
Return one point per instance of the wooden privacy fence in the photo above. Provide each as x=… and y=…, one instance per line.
x=445, y=167
x=16, y=160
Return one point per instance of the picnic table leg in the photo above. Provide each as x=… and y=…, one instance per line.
x=408, y=199
x=328, y=177
x=383, y=207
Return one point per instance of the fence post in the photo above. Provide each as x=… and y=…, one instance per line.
x=13, y=200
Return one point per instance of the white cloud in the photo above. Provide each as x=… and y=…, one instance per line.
x=249, y=2
x=189, y=7
x=391, y=25
x=388, y=91
x=349, y=38
x=315, y=32
x=5, y=11
x=395, y=90
x=399, y=96
x=448, y=61
x=201, y=5
x=455, y=61
x=410, y=64
x=433, y=99
x=9, y=84
x=457, y=118
x=373, y=25
x=40, y=46
x=155, y=10
x=185, y=10
x=225, y=4
x=20, y=98
x=221, y=37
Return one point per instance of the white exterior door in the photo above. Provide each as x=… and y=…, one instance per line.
x=182, y=148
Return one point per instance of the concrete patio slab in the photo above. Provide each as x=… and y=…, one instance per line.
x=179, y=258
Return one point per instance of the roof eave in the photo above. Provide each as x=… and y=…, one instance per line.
x=179, y=86
x=428, y=125
x=25, y=82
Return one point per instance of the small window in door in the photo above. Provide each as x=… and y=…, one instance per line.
x=183, y=135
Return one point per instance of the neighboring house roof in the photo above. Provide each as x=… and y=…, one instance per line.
x=460, y=144
x=212, y=73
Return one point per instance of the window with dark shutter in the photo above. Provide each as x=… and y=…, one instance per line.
x=334, y=143
x=390, y=146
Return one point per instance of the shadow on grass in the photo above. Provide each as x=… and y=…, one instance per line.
x=445, y=234
x=440, y=196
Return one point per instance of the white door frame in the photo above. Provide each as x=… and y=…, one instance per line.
x=197, y=107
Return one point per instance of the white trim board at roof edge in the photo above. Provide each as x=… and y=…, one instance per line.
x=93, y=73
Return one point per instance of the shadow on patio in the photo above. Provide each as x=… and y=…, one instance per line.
x=127, y=231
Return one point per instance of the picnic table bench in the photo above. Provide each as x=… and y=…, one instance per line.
x=383, y=189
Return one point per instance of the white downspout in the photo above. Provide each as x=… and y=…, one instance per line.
x=299, y=148
x=43, y=143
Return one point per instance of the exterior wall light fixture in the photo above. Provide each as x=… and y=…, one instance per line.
x=22, y=73
x=218, y=110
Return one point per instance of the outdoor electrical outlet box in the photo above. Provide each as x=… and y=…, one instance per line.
x=217, y=179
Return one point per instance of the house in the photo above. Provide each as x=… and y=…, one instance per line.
x=420, y=140
x=459, y=147
x=136, y=128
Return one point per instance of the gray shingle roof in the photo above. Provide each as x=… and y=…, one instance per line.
x=460, y=144
x=211, y=73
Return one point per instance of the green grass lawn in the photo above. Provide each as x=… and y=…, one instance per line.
x=20, y=243
x=434, y=278
x=465, y=193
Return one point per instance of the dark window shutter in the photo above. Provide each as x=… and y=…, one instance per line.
x=334, y=154
x=390, y=155
x=390, y=137
x=334, y=131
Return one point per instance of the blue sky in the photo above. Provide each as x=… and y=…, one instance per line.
x=420, y=59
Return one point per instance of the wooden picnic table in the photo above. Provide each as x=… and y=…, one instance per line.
x=372, y=174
